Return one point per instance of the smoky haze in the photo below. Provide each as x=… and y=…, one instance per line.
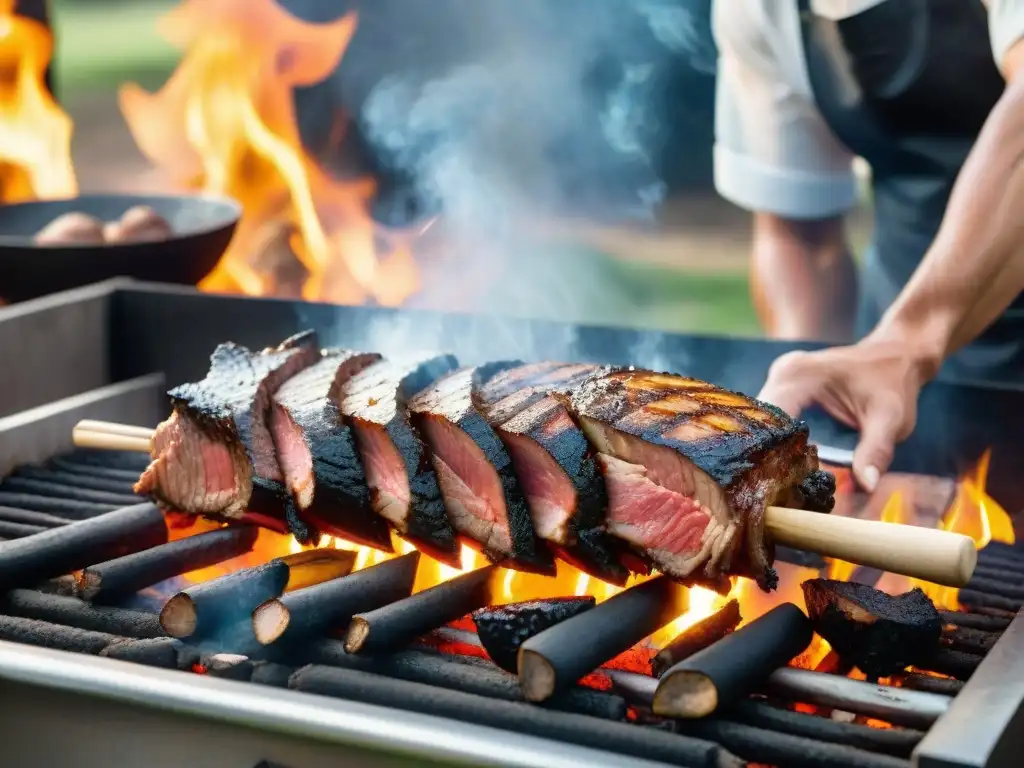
x=500, y=113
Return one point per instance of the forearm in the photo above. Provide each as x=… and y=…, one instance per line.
x=975, y=267
x=802, y=278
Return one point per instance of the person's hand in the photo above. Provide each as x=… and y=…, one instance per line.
x=871, y=386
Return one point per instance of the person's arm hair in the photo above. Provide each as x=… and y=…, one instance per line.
x=975, y=267
x=803, y=277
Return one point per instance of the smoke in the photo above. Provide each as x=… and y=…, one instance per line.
x=500, y=116
x=555, y=105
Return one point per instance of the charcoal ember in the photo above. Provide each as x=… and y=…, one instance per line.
x=881, y=634
x=502, y=629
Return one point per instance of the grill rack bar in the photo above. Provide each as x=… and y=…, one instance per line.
x=85, y=409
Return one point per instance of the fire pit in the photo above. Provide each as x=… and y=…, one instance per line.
x=151, y=618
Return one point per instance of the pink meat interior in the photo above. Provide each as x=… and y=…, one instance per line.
x=385, y=472
x=470, y=485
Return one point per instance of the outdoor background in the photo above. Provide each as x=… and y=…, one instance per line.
x=686, y=274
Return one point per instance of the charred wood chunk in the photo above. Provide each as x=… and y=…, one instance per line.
x=321, y=607
x=59, y=551
x=728, y=670
x=698, y=637
x=879, y=633
x=211, y=608
x=399, y=623
x=72, y=612
x=121, y=577
x=559, y=656
x=504, y=628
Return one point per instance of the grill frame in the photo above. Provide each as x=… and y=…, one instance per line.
x=119, y=322
x=300, y=729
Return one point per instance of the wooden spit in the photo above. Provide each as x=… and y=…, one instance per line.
x=940, y=557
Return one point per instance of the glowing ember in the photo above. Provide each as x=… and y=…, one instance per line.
x=225, y=123
x=35, y=133
x=973, y=513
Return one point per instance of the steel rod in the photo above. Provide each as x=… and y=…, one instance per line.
x=899, y=706
x=72, y=612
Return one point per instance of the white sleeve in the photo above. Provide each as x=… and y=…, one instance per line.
x=1005, y=25
x=773, y=151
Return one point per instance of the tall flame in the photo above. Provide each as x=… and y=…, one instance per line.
x=225, y=123
x=35, y=133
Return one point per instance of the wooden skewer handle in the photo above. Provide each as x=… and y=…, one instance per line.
x=108, y=436
x=940, y=557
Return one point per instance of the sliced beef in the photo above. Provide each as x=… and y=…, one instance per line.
x=215, y=455
x=317, y=451
x=403, y=485
x=543, y=377
x=690, y=469
x=483, y=497
x=555, y=465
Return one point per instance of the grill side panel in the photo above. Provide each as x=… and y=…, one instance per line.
x=54, y=347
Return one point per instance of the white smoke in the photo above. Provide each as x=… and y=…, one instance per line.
x=503, y=115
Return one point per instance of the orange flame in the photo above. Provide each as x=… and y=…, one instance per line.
x=225, y=123
x=35, y=133
x=973, y=512
x=976, y=514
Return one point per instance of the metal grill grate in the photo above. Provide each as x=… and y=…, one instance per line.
x=458, y=681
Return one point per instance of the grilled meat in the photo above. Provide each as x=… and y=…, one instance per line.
x=483, y=497
x=317, y=451
x=403, y=485
x=690, y=469
x=555, y=464
x=215, y=449
x=598, y=464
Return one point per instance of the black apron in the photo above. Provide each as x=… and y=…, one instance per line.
x=907, y=85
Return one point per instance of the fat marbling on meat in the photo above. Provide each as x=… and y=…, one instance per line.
x=691, y=469
x=317, y=452
x=555, y=464
x=482, y=494
x=401, y=478
x=215, y=455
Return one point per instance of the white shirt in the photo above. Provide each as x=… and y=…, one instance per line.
x=774, y=152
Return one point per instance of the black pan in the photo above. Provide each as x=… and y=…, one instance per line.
x=203, y=226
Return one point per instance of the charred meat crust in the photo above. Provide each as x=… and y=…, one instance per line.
x=230, y=406
x=752, y=450
x=452, y=399
x=817, y=492
x=533, y=413
x=546, y=378
x=340, y=502
x=378, y=398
